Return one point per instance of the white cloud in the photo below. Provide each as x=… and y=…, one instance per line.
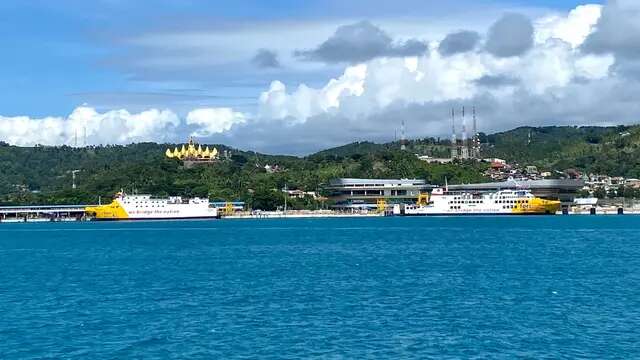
x=112, y=127
x=366, y=89
x=213, y=120
x=117, y=126
x=573, y=28
x=275, y=103
x=554, y=82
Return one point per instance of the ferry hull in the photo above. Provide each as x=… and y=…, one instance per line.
x=157, y=218
x=481, y=214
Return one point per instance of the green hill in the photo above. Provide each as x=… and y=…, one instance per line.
x=43, y=174
x=612, y=150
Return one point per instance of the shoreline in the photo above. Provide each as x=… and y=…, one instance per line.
x=324, y=215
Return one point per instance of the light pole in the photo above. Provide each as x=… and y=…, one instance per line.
x=73, y=178
x=286, y=194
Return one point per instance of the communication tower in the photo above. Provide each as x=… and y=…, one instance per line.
x=465, y=142
x=403, y=137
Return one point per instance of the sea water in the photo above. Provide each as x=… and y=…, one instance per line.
x=458, y=287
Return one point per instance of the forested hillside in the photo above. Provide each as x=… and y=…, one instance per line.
x=612, y=151
x=44, y=174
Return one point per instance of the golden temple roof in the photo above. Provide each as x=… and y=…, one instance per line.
x=192, y=151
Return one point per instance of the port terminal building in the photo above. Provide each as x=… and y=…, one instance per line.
x=364, y=194
x=42, y=213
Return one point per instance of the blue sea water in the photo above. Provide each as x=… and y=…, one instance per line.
x=466, y=287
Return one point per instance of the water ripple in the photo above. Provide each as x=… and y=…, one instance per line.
x=552, y=287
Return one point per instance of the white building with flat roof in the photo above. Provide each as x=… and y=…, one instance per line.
x=350, y=193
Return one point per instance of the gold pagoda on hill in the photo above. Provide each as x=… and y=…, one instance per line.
x=193, y=153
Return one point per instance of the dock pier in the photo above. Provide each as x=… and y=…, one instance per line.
x=42, y=213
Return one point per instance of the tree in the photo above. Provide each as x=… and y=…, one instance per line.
x=600, y=193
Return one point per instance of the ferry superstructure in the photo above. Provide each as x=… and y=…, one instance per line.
x=146, y=207
x=504, y=202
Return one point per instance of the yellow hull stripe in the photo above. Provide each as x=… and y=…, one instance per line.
x=536, y=206
x=110, y=211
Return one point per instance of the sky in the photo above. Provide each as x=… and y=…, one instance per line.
x=295, y=77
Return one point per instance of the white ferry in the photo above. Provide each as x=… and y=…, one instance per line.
x=504, y=202
x=146, y=207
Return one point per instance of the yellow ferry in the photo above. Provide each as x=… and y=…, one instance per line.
x=504, y=202
x=146, y=207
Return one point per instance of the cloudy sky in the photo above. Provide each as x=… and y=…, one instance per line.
x=294, y=77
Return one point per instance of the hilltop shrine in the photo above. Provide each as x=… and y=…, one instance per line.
x=193, y=154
